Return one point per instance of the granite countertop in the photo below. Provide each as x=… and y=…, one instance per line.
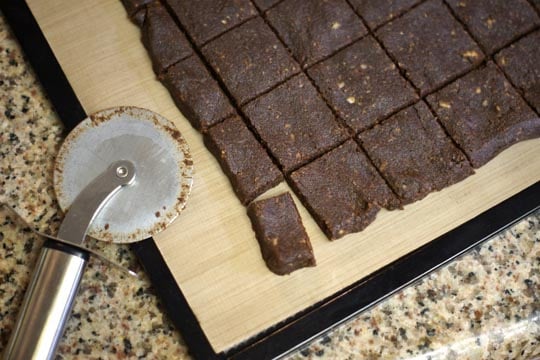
x=484, y=305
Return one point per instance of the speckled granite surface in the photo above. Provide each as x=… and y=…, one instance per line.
x=485, y=305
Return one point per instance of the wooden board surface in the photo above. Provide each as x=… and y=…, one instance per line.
x=211, y=249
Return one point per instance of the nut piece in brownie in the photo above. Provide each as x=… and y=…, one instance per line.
x=377, y=12
x=484, y=114
x=521, y=62
x=242, y=158
x=136, y=10
x=342, y=190
x=283, y=240
x=362, y=84
x=294, y=122
x=206, y=19
x=314, y=29
x=430, y=45
x=250, y=60
x=196, y=93
x=414, y=154
x=165, y=42
x=495, y=23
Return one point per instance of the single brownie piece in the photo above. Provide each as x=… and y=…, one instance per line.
x=164, y=41
x=362, y=84
x=264, y=5
x=136, y=10
x=414, y=154
x=342, y=190
x=196, y=93
x=377, y=12
x=314, y=29
x=521, y=62
x=484, y=114
x=294, y=122
x=284, y=243
x=250, y=60
x=495, y=23
x=206, y=19
x=242, y=158
x=430, y=45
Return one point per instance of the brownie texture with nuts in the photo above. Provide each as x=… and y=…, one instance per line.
x=314, y=29
x=430, y=45
x=378, y=12
x=206, y=19
x=196, y=93
x=495, y=23
x=414, y=154
x=164, y=41
x=244, y=161
x=284, y=243
x=362, y=84
x=521, y=63
x=342, y=190
x=294, y=123
x=484, y=114
x=250, y=59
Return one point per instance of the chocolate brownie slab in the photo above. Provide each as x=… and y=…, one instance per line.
x=521, y=62
x=314, y=29
x=242, y=158
x=484, y=114
x=283, y=240
x=206, y=19
x=377, y=12
x=430, y=45
x=164, y=41
x=414, y=154
x=362, y=84
x=495, y=23
x=136, y=10
x=250, y=60
x=342, y=190
x=196, y=93
x=294, y=122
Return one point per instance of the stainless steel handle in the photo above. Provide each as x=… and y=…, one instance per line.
x=48, y=302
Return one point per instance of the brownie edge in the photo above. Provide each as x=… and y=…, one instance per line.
x=284, y=243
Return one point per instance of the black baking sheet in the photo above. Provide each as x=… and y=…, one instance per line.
x=311, y=321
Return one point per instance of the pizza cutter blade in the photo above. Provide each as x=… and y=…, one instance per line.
x=122, y=175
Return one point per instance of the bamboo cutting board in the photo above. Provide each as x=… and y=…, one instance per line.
x=211, y=249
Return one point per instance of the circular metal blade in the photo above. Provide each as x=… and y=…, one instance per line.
x=163, y=168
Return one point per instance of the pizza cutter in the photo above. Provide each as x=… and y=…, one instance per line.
x=122, y=175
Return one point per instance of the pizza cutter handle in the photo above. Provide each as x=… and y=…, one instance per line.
x=48, y=302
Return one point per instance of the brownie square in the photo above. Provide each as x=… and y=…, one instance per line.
x=430, y=45
x=414, y=154
x=196, y=93
x=378, y=12
x=283, y=240
x=206, y=19
x=250, y=60
x=136, y=10
x=484, y=114
x=362, y=84
x=294, y=122
x=264, y=5
x=314, y=29
x=244, y=161
x=342, y=190
x=521, y=62
x=164, y=41
x=495, y=23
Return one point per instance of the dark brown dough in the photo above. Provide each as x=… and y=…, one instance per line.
x=283, y=240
